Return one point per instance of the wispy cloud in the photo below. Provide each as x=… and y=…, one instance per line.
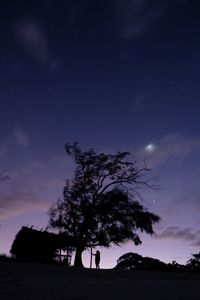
x=35, y=186
x=182, y=234
x=172, y=146
x=196, y=243
x=176, y=233
x=137, y=103
x=20, y=200
x=35, y=42
x=17, y=137
x=3, y=148
x=21, y=137
x=190, y=195
x=3, y=175
x=173, y=159
x=134, y=17
x=34, y=39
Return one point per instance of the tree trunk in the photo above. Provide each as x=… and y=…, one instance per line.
x=91, y=258
x=78, y=258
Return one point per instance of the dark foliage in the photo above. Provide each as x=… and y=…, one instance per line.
x=134, y=261
x=194, y=263
x=99, y=206
x=4, y=257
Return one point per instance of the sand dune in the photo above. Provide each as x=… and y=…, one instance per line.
x=26, y=281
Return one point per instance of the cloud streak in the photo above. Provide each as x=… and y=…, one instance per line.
x=174, y=157
x=176, y=233
x=35, y=186
x=138, y=103
x=172, y=146
x=34, y=40
x=19, y=201
x=134, y=17
x=21, y=137
x=18, y=137
x=181, y=234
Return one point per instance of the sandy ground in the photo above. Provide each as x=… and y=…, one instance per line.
x=35, y=281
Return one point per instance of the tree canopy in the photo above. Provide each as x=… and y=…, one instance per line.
x=194, y=262
x=100, y=206
x=135, y=261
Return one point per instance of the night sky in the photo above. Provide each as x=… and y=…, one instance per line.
x=112, y=75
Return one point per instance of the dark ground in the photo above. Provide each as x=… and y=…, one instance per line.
x=26, y=281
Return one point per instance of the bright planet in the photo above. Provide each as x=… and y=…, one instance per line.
x=150, y=147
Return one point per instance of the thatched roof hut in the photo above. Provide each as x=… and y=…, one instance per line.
x=33, y=245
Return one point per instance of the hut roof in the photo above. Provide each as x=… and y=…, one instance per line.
x=31, y=242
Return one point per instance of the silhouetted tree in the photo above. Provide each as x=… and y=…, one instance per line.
x=99, y=206
x=130, y=261
x=194, y=262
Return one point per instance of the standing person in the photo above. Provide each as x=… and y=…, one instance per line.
x=97, y=259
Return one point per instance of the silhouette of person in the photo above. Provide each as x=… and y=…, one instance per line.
x=97, y=259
